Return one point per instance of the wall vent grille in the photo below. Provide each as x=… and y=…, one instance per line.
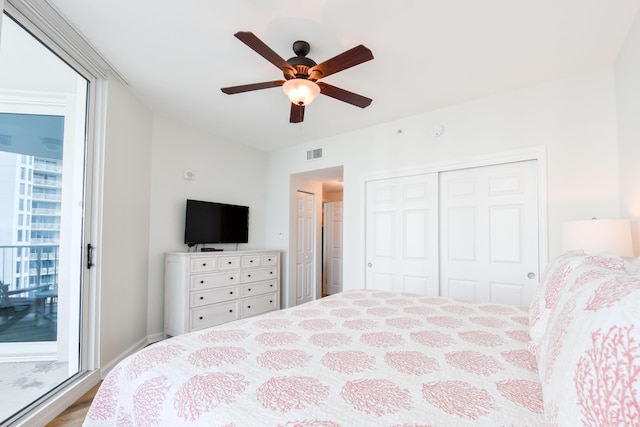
x=5, y=140
x=314, y=154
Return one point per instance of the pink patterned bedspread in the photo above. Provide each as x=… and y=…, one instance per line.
x=359, y=358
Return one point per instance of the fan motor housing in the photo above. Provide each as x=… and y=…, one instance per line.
x=300, y=62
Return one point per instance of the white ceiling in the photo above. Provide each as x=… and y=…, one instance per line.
x=428, y=54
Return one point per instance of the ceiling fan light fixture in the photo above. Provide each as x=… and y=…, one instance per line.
x=301, y=91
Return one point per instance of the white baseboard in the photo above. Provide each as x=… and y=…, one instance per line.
x=106, y=368
x=155, y=337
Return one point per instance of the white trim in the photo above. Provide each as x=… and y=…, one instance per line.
x=532, y=153
x=50, y=24
x=106, y=368
x=538, y=153
x=30, y=351
x=47, y=409
x=153, y=338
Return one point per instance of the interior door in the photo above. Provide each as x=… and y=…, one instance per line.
x=402, y=234
x=333, y=247
x=489, y=233
x=305, y=276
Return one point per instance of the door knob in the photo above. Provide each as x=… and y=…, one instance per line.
x=531, y=275
x=369, y=265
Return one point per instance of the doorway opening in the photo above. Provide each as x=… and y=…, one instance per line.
x=326, y=186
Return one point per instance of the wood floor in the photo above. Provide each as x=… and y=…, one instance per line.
x=74, y=415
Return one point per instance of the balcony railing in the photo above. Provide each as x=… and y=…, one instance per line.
x=43, y=266
x=38, y=165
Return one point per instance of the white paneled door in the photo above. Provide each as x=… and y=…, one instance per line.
x=489, y=233
x=402, y=234
x=333, y=247
x=305, y=286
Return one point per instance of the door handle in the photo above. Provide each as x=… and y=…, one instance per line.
x=531, y=275
x=369, y=265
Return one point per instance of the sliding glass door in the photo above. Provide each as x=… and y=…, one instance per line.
x=43, y=105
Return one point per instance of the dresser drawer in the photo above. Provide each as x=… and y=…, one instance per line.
x=228, y=263
x=259, y=275
x=268, y=260
x=258, y=288
x=259, y=304
x=214, y=315
x=200, y=265
x=250, y=261
x=213, y=296
x=204, y=281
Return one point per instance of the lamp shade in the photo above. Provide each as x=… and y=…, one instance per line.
x=596, y=236
x=301, y=91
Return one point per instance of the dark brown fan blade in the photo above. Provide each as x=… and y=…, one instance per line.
x=344, y=95
x=265, y=51
x=254, y=86
x=348, y=59
x=297, y=113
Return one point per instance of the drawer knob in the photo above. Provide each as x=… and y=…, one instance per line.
x=204, y=264
x=201, y=297
x=200, y=317
x=231, y=278
x=230, y=311
x=201, y=281
x=271, y=285
x=231, y=292
x=248, y=275
x=269, y=259
x=248, y=306
x=229, y=263
x=249, y=290
x=250, y=260
x=270, y=301
x=271, y=272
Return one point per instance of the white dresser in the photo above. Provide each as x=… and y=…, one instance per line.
x=204, y=289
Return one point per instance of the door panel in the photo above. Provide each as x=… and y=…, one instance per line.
x=44, y=217
x=402, y=234
x=489, y=241
x=333, y=247
x=304, y=252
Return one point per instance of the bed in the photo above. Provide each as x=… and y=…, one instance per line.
x=356, y=358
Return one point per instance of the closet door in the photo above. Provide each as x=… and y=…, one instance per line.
x=489, y=233
x=402, y=234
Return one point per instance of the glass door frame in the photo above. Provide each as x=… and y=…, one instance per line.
x=48, y=27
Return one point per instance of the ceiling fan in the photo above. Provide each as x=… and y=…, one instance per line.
x=301, y=74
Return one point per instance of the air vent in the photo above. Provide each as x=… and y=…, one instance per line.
x=314, y=154
x=5, y=140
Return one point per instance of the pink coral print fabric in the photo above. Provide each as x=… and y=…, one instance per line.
x=589, y=358
x=360, y=358
x=552, y=280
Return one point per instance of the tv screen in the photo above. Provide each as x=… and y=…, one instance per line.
x=209, y=222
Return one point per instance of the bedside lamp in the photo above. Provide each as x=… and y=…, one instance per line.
x=597, y=236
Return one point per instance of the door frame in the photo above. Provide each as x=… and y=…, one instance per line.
x=46, y=25
x=538, y=153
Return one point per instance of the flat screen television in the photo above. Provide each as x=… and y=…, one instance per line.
x=209, y=222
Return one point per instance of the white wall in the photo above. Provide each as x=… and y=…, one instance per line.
x=627, y=73
x=574, y=118
x=125, y=226
x=224, y=172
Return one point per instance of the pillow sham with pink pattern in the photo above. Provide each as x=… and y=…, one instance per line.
x=589, y=357
x=552, y=279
